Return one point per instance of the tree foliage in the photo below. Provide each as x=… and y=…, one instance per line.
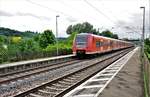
x=147, y=42
x=108, y=33
x=1, y=39
x=86, y=27
x=15, y=39
x=46, y=38
x=147, y=45
x=81, y=28
x=71, y=38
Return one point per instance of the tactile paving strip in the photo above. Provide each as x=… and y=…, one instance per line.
x=95, y=85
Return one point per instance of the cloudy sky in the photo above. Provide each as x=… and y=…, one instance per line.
x=121, y=16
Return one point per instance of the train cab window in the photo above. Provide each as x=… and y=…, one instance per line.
x=81, y=38
x=81, y=41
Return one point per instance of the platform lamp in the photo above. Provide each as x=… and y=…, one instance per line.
x=143, y=30
x=57, y=34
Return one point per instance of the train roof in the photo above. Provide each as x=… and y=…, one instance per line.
x=103, y=37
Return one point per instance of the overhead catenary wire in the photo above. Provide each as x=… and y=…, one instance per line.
x=65, y=14
x=102, y=13
x=50, y=9
x=98, y=11
x=127, y=12
x=78, y=11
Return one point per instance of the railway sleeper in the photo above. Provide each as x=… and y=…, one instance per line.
x=76, y=76
x=65, y=83
x=69, y=80
x=52, y=89
x=33, y=95
x=45, y=93
x=58, y=86
x=72, y=78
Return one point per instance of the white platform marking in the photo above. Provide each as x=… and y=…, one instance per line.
x=91, y=86
x=110, y=71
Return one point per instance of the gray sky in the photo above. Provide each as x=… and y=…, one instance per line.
x=38, y=15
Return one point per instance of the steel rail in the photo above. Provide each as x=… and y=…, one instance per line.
x=40, y=70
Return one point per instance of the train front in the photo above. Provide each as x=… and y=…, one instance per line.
x=80, y=44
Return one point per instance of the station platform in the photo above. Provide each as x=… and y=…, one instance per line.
x=127, y=82
x=34, y=61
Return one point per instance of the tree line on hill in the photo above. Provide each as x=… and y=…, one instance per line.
x=11, y=32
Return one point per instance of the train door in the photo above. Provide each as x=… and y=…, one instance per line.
x=109, y=45
x=102, y=45
x=93, y=45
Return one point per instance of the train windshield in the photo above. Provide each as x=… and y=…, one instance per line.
x=81, y=41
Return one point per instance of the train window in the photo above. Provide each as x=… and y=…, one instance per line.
x=104, y=43
x=81, y=38
x=98, y=43
x=81, y=41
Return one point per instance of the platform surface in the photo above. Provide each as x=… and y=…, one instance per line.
x=33, y=61
x=117, y=80
x=128, y=82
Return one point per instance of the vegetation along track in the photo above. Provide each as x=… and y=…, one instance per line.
x=61, y=85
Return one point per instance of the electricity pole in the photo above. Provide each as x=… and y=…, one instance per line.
x=149, y=19
x=143, y=30
x=57, y=34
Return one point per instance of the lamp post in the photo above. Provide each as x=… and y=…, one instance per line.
x=57, y=34
x=143, y=30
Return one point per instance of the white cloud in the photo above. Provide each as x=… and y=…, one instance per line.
x=37, y=15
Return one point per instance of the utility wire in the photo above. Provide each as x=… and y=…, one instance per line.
x=106, y=15
x=126, y=11
x=78, y=11
x=49, y=8
x=98, y=11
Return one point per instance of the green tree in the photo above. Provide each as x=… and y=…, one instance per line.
x=147, y=42
x=81, y=28
x=1, y=40
x=69, y=29
x=108, y=33
x=71, y=38
x=46, y=38
x=147, y=45
x=115, y=36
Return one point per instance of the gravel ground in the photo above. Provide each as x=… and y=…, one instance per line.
x=32, y=81
x=128, y=82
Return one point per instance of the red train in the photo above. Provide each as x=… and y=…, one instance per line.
x=85, y=43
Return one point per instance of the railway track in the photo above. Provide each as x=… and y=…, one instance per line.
x=61, y=85
x=36, y=70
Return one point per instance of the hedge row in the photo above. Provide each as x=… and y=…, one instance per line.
x=19, y=56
